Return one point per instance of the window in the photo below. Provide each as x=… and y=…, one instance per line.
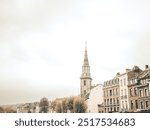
x=125, y=93
x=104, y=93
x=146, y=103
x=135, y=91
x=136, y=104
x=117, y=108
x=111, y=101
x=116, y=91
x=124, y=82
x=110, y=92
x=107, y=101
x=132, y=105
x=141, y=105
x=84, y=92
x=131, y=92
x=141, y=93
x=146, y=92
x=123, y=104
x=114, y=100
x=117, y=101
x=114, y=109
x=84, y=82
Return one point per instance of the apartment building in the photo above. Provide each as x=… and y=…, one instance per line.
x=111, y=95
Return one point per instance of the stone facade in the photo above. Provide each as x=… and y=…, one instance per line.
x=111, y=95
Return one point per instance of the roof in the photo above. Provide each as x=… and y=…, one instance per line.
x=144, y=74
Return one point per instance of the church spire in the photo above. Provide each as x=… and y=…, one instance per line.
x=86, y=61
x=85, y=78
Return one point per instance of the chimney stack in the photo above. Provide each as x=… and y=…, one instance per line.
x=146, y=66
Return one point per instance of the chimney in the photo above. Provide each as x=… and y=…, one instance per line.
x=146, y=66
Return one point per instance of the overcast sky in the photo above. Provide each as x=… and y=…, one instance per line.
x=42, y=44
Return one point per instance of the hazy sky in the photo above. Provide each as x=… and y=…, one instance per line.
x=42, y=44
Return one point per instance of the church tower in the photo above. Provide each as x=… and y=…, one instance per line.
x=85, y=84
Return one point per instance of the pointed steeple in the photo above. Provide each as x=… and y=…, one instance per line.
x=86, y=61
x=86, y=80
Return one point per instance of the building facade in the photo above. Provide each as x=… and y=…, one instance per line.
x=111, y=95
x=143, y=90
x=95, y=99
x=138, y=88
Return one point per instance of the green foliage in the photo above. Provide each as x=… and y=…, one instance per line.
x=79, y=105
x=44, y=105
x=72, y=104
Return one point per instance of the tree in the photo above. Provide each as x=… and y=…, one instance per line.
x=53, y=106
x=1, y=110
x=64, y=105
x=44, y=105
x=59, y=107
x=79, y=105
x=70, y=102
x=9, y=110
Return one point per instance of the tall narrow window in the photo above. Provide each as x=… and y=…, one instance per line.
x=131, y=92
x=132, y=105
x=136, y=104
x=146, y=104
x=122, y=104
x=110, y=92
x=124, y=82
x=146, y=92
x=84, y=82
x=116, y=91
x=135, y=91
x=126, y=105
x=84, y=92
x=141, y=105
x=141, y=93
x=111, y=101
x=117, y=101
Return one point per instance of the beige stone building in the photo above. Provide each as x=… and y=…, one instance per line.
x=111, y=95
